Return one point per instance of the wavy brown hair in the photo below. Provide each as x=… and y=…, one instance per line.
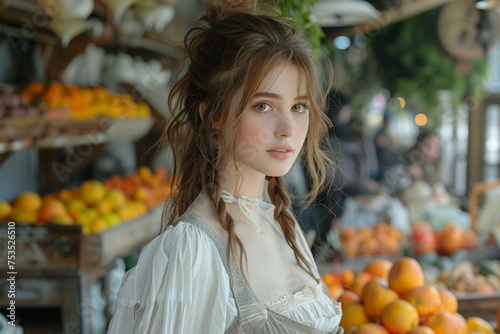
x=229, y=51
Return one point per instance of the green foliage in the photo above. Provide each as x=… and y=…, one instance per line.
x=409, y=62
x=299, y=11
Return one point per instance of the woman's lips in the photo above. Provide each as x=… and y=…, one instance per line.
x=281, y=152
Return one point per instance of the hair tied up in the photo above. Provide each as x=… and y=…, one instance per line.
x=218, y=10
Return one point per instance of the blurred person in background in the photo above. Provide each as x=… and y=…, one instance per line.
x=352, y=176
x=385, y=147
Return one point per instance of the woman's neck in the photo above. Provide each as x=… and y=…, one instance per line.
x=247, y=183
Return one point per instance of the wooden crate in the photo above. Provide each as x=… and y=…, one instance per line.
x=479, y=304
x=43, y=247
x=102, y=248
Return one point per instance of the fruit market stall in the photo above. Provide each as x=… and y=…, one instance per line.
x=67, y=244
x=403, y=297
x=454, y=257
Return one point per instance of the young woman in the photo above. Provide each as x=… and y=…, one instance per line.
x=232, y=258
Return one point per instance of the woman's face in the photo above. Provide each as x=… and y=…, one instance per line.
x=274, y=124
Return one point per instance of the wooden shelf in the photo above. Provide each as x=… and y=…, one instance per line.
x=57, y=134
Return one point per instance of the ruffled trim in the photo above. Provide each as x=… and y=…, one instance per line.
x=291, y=301
x=309, y=306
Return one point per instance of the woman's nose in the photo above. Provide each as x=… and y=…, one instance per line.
x=284, y=125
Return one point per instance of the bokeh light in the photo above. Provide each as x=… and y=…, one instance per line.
x=421, y=119
x=342, y=42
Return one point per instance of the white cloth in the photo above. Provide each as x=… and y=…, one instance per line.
x=180, y=286
x=246, y=206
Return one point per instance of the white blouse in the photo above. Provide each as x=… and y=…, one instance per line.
x=180, y=285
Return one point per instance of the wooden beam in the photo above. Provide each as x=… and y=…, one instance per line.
x=403, y=10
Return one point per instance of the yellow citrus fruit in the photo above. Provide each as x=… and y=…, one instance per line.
x=111, y=218
x=62, y=219
x=103, y=206
x=21, y=216
x=353, y=316
x=92, y=191
x=75, y=204
x=116, y=197
x=98, y=225
x=477, y=325
x=29, y=201
x=5, y=209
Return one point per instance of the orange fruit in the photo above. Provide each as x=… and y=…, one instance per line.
x=335, y=290
x=348, y=297
x=372, y=284
x=449, y=301
x=103, y=206
x=426, y=299
x=368, y=246
x=443, y=323
x=51, y=209
x=452, y=238
x=28, y=201
x=359, y=281
x=477, y=325
x=422, y=238
x=371, y=328
x=330, y=278
x=389, y=246
x=422, y=330
x=350, y=247
x=347, y=277
x=377, y=299
x=348, y=233
x=405, y=275
x=92, y=191
x=365, y=232
x=65, y=195
x=353, y=316
x=400, y=317
x=5, y=209
x=379, y=268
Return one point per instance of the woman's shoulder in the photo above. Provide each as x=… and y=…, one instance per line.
x=182, y=250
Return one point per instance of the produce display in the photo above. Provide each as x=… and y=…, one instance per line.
x=466, y=277
x=95, y=205
x=382, y=238
x=58, y=101
x=397, y=297
x=448, y=240
x=78, y=103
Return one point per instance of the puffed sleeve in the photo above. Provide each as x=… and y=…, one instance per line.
x=179, y=285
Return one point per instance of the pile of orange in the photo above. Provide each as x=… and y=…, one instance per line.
x=448, y=240
x=392, y=298
x=82, y=102
x=383, y=238
x=94, y=205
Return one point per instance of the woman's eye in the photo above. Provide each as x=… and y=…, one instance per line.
x=262, y=107
x=299, y=108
